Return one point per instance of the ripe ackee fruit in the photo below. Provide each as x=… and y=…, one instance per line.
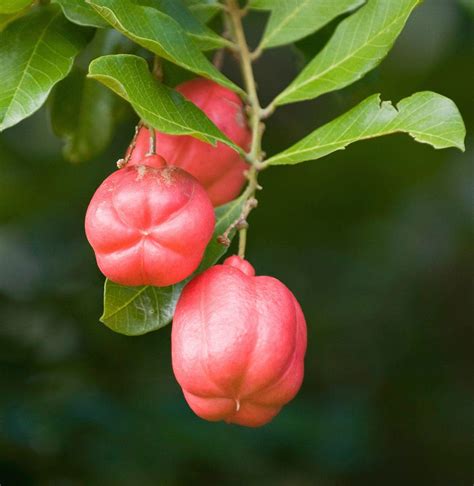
x=238, y=344
x=149, y=225
x=219, y=169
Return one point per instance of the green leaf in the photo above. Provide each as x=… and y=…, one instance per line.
x=6, y=19
x=426, y=116
x=134, y=311
x=137, y=310
x=79, y=12
x=12, y=6
x=291, y=20
x=37, y=51
x=83, y=114
x=359, y=44
x=225, y=216
x=203, y=36
x=204, y=10
x=160, y=34
x=263, y=4
x=158, y=105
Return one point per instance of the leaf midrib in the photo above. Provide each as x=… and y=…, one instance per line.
x=334, y=66
x=33, y=52
x=356, y=139
x=126, y=304
x=285, y=22
x=147, y=41
x=146, y=110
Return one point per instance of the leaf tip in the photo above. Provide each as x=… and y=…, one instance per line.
x=461, y=146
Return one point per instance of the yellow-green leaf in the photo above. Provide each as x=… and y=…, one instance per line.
x=426, y=116
x=291, y=20
x=160, y=34
x=158, y=105
x=37, y=51
x=359, y=43
x=12, y=6
x=137, y=310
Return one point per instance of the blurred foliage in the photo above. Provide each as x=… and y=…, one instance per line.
x=375, y=241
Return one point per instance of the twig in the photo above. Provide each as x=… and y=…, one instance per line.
x=219, y=56
x=121, y=163
x=256, y=115
x=254, y=55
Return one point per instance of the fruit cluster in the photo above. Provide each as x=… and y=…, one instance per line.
x=238, y=341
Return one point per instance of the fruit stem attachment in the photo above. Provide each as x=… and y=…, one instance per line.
x=242, y=242
x=256, y=115
x=152, y=149
x=121, y=163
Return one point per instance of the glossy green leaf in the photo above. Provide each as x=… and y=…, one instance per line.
x=79, y=12
x=204, y=10
x=426, y=116
x=82, y=113
x=203, y=36
x=263, y=4
x=359, y=43
x=6, y=19
x=291, y=20
x=12, y=6
x=156, y=104
x=36, y=52
x=160, y=34
x=138, y=310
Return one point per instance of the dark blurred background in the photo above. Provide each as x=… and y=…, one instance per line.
x=375, y=241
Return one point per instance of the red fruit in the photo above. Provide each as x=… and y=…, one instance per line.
x=149, y=225
x=238, y=344
x=219, y=169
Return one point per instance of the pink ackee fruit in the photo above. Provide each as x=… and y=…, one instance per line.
x=219, y=169
x=238, y=344
x=149, y=224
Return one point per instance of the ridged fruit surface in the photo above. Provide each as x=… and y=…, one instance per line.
x=219, y=169
x=238, y=344
x=149, y=225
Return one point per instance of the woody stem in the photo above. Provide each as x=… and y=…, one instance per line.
x=255, y=156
